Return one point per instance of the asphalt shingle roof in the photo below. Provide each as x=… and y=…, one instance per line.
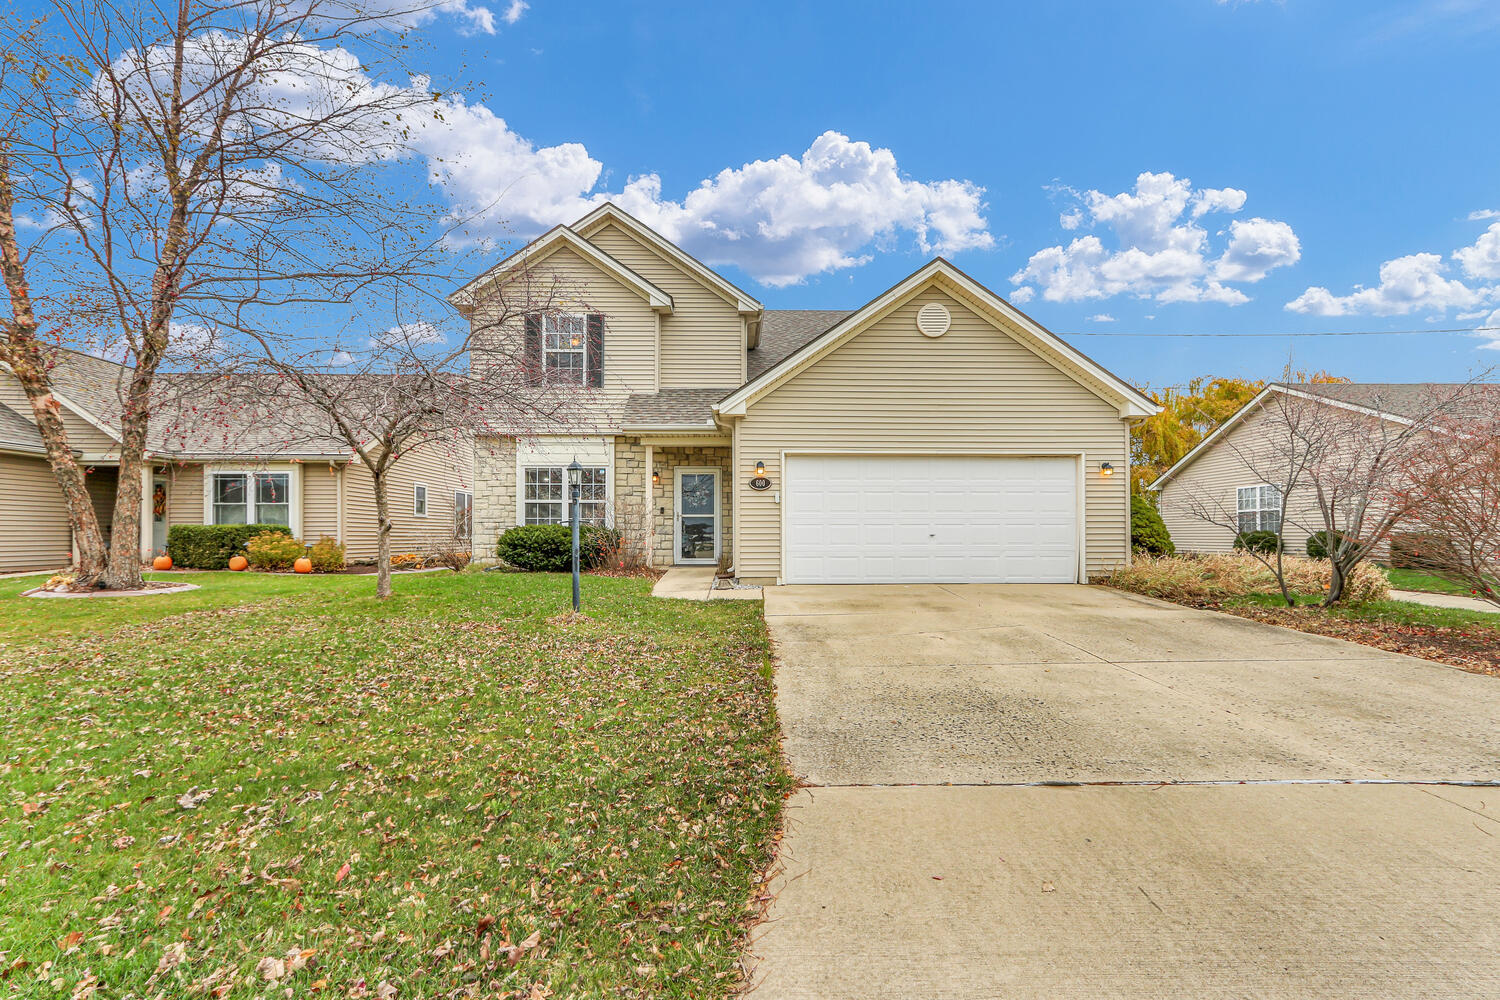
x=783, y=331
x=1403, y=399
x=671, y=407
x=17, y=433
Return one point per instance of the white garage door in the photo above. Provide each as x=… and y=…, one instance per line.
x=930, y=519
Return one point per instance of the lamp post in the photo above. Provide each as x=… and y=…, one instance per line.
x=575, y=491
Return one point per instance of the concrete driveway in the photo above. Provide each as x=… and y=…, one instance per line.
x=1232, y=859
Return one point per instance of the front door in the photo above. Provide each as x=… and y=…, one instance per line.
x=159, y=517
x=697, y=532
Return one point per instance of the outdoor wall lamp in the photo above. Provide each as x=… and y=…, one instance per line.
x=760, y=468
x=1105, y=469
x=655, y=476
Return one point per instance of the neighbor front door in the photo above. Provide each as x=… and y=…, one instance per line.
x=697, y=530
x=158, y=517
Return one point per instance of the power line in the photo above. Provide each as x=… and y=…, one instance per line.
x=1341, y=333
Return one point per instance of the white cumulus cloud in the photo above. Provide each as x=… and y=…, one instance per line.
x=514, y=11
x=1417, y=282
x=1158, y=248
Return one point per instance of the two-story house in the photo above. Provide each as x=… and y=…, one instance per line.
x=935, y=434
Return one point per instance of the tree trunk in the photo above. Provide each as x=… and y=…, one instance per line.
x=124, y=572
x=1335, y=583
x=382, y=537
x=29, y=368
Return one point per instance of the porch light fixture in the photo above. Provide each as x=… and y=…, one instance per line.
x=1105, y=469
x=655, y=476
x=760, y=468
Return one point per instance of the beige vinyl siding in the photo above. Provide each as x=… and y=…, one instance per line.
x=102, y=482
x=34, y=530
x=443, y=467
x=629, y=334
x=975, y=390
x=1210, y=486
x=82, y=436
x=320, y=501
x=703, y=340
x=184, y=494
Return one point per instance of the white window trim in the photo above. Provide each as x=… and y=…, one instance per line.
x=292, y=470
x=1258, y=510
x=596, y=452
x=583, y=347
x=456, y=507
x=677, y=473
x=426, y=500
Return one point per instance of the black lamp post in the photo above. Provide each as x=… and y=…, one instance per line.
x=575, y=491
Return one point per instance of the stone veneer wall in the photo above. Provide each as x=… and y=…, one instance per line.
x=631, y=516
x=667, y=459
x=494, y=493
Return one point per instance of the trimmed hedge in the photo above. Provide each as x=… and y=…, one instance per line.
x=1148, y=533
x=1264, y=542
x=548, y=548
x=210, y=546
x=1318, y=544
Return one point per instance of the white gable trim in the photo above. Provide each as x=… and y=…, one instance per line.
x=1244, y=411
x=77, y=410
x=1035, y=337
x=549, y=242
x=610, y=212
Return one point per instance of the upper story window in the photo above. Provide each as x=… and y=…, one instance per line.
x=1259, y=508
x=567, y=347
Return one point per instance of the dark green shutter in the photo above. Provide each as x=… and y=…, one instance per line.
x=533, y=345
x=595, y=358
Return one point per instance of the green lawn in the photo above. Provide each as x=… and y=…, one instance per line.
x=1410, y=579
x=1386, y=612
x=283, y=768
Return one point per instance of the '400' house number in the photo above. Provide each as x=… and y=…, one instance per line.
x=760, y=483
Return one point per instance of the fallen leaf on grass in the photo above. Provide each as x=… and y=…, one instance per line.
x=193, y=798
x=69, y=940
x=343, y=873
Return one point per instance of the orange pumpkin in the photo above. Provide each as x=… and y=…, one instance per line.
x=162, y=562
x=303, y=565
x=238, y=563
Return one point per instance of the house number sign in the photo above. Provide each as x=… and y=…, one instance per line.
x=760, y=483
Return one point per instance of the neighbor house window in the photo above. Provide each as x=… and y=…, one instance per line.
x=463, y=514
x=252, y=498
x=565, y=346
x=1260, y=508
x=545, y=495
x=419, y=500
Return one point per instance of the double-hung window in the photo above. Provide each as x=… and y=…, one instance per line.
x=419, y=500
x=565, y=346
x=1259, y=508
x=545, y=495
x=252, y=498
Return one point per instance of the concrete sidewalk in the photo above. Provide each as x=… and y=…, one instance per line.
x=696, y=583
x=1458, y=601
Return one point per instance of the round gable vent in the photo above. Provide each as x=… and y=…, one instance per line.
x=933, y=319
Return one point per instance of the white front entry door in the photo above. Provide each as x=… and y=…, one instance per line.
x=696, y=535
x=930, y=519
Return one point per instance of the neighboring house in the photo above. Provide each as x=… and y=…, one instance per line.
x=205, y=469
x=935, y=434
x=1216, y=479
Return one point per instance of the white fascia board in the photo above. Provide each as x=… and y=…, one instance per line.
x=550, y=241
x=612, y=212
x=1131, y=402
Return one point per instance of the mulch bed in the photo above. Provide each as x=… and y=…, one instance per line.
x=1473, y=649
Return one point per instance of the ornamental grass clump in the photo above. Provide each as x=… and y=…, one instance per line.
x=1210, y=579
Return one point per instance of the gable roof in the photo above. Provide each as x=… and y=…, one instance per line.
x=17, y=433
x=1041, y=341
x=672, y=408
x=548, y=243
x=610, y=212
x=783, y=331
x=1399, y=402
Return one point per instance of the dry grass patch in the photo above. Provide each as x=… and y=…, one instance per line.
x=1210, y=579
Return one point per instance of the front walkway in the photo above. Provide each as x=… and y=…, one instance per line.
x=1060, y=792
x=696, y=583
x=1457, y=601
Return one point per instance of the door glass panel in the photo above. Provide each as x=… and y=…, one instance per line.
x=697, y=537
x=698, y=493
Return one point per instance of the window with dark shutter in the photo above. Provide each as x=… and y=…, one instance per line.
x=596, y=350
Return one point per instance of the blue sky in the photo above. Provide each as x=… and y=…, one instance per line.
x=1162, y=166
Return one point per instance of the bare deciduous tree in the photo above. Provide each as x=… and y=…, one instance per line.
x=1456, y=497
x=168, y=167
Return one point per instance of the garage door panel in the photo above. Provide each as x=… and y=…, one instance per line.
x=926, y=519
